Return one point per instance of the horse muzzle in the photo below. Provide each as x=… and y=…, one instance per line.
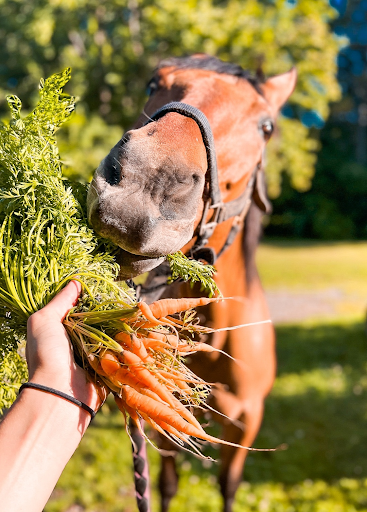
x=132, y=222
x=132, y=265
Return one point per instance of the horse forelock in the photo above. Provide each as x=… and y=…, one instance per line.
x=209, y=63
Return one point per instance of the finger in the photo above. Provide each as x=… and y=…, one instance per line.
x=62, y=303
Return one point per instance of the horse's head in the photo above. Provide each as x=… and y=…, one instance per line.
x=146, y=195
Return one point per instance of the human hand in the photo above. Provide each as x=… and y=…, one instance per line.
x=49, y=352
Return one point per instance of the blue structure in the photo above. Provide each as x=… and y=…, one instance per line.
x=352, y=60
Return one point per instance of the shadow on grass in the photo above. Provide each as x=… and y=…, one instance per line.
x=302, y=348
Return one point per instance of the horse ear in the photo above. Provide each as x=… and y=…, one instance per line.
x=277, y=89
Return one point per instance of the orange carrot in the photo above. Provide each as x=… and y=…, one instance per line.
x=197, y=347
x=96, y=365
x=149, y=381
x=178, y=436
x=110, y=363
x=164, y=307
x=172, y=340
x=140, y=376
x=162, y=413
x=123, y=376
x=181, y=382
x=155, y=344
x=146, y=311
x=151, y=407
x=114, y=371
x=167, y=340
x=163, y=428
x=141, y=323
x=156, y=335
x=134, y=344
x=122, y=405
x=123, y=337
x=163, y=351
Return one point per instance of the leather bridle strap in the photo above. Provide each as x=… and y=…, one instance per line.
x=206, y=132
x=221, y=212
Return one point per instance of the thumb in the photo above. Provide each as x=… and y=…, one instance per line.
x=66, y=299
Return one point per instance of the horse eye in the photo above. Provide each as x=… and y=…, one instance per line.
x=152, y=87
x=268, y=128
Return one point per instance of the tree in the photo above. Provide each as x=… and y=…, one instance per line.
x=335, y=206
x=113, y=46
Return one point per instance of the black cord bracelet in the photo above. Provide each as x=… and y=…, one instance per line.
x=60, y=394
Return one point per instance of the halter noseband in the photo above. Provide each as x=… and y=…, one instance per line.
x=236, y=209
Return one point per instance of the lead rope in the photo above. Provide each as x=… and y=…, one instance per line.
x=141, y=471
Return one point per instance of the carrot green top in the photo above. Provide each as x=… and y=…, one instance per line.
x=45, y=239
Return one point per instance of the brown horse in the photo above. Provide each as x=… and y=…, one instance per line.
x=148, y=196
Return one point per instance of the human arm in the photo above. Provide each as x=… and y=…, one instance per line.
x=41, y=431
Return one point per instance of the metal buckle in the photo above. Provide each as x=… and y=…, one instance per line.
x=240, y=219
x=207, y=228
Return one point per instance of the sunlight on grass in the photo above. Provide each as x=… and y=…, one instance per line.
x=307, y=496
x=329, y=382
x=302, y=265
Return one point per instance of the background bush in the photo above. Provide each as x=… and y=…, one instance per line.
x=113, y=47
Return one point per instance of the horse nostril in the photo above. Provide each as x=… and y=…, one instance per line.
x=113, y=161
x=112, y=168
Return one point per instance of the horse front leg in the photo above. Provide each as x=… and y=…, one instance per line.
x=168, y=476
x=233, y=459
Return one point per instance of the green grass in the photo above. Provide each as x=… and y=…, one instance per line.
x=314, y=265
x=318, y=407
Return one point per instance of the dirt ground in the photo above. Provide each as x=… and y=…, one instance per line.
x=312, y=280
x=294, y=306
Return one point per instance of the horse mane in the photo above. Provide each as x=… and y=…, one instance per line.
x=202, y=61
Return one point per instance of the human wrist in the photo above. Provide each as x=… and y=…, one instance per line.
x=76, y=386
x=60, y=394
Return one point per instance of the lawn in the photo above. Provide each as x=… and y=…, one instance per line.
x=318, y=408
x=314, y=266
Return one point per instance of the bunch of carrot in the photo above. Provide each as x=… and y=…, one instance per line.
x=139, y=361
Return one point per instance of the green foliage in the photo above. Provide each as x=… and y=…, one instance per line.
x=13, y=371
x=335, y=207
x=193, y=271
x=44, y=237
x=114, y=46
x=291, y=148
